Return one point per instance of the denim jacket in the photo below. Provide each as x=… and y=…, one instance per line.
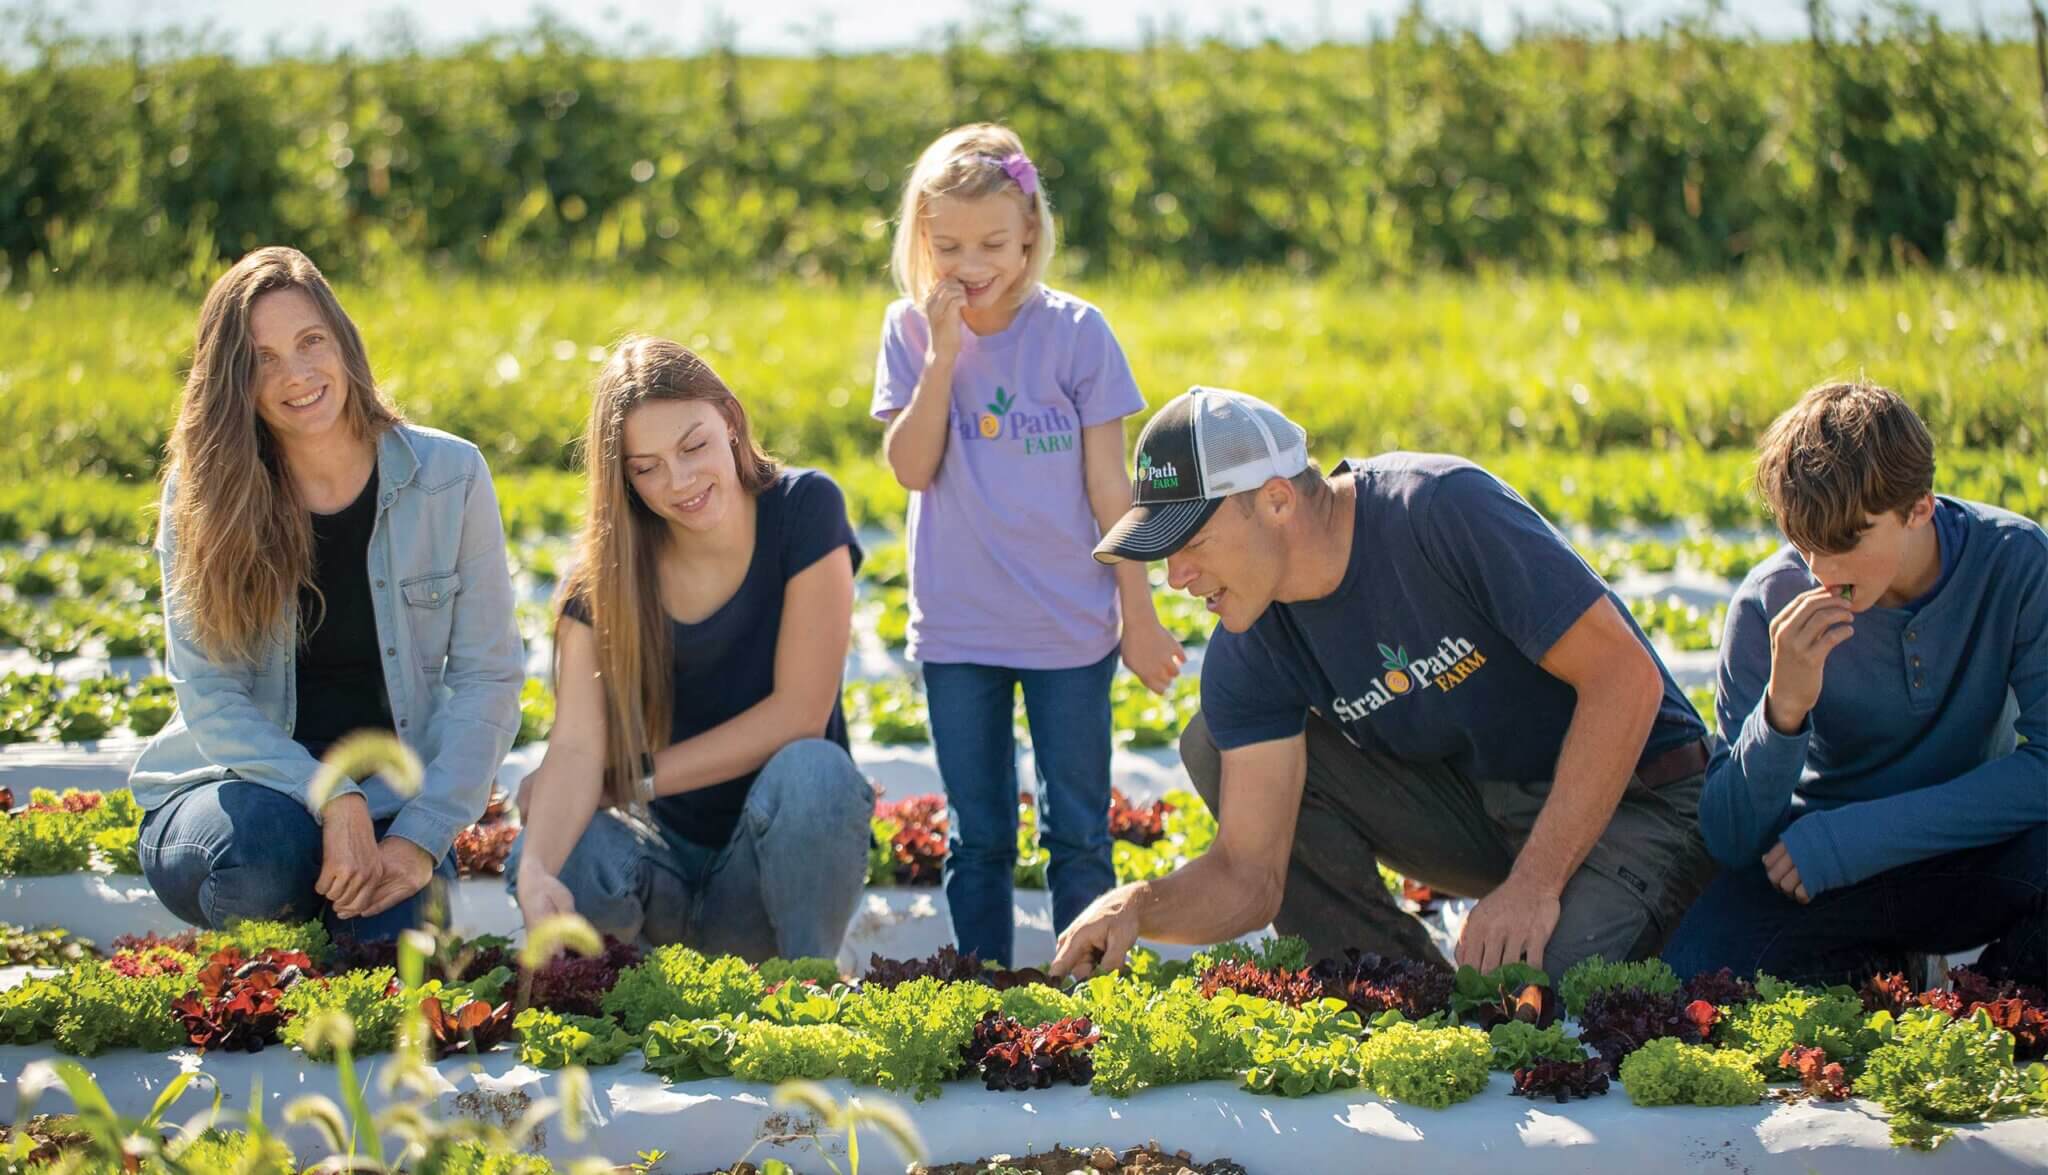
x=453, y=662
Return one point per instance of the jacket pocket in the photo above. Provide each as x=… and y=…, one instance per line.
x=428, y=612
x=431, y=591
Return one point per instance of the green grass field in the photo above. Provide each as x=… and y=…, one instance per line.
x=1607, y=403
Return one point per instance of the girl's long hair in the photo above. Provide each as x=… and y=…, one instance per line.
x=966, y=163
x=618, y=553
x=245, y=540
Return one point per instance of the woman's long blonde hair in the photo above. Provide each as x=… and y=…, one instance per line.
x=245, y=540
x=618, y=554
x=966, y=163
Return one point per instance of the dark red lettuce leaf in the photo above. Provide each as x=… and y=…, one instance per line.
x=1620, y=1021
x=576, y=985
x=472, y=1027
x=1720, y=988
x=1140, y=826
x=1821, y=1078
x=1562, y=1080
x=947, y=965
x=1373, y=983
x=1010, y=1056
x=235, y=1008
x=1293, y=988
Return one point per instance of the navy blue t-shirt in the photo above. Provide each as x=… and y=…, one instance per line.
x=1429, y=649
x=725, y=663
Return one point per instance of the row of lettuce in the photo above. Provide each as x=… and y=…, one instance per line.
x=52, y=834
x=89, y=831
x=44, y=707
x=1409, y=1031
x=890, y=711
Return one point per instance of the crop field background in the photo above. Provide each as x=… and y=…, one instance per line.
x=1554, y=380
x=1598, y=261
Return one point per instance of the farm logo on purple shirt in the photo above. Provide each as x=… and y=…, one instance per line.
x=1050, y=431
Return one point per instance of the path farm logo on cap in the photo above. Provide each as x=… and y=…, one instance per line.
x=1203, y=446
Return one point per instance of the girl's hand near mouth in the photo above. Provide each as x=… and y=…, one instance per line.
x=942, y=309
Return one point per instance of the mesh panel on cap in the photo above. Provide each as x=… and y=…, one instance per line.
x=1229, y=438
x=1286, y=434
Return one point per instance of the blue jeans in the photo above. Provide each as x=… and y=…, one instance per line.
x=971, y=709
x=785, y=885
x=1997, y=894
x=220, y=853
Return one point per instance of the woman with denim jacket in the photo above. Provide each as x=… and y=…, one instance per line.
x=697, y=786
x=327, y=568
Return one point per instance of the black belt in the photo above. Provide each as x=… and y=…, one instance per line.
x=1680, y=762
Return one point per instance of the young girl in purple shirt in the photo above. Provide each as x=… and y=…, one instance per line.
x=1005, y=403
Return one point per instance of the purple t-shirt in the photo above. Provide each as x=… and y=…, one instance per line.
x=1001, y=564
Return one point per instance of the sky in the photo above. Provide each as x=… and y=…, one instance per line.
x=255, y=28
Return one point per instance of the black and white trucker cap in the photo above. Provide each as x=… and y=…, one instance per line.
x=1203, y=446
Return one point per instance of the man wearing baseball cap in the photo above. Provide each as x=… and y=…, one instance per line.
x=1412, y=667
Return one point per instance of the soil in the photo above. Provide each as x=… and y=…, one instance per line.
x=50, y=1135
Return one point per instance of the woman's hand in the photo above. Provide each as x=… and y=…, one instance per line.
x=541, y=896
x=350, y=864
x=407, y=870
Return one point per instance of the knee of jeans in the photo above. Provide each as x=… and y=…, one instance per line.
x=812, y=780
x=605, y=888
x=1203, y=761
x=601, y=878
x=274, y=889
x=176, y=875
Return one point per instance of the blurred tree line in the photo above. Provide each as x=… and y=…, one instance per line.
x=1681, y=150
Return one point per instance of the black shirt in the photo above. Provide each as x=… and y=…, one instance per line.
x=340, y=679
x=725, y=663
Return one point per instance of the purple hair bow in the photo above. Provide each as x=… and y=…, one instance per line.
x=1019, y=168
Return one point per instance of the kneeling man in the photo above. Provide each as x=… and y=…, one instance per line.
x=1412, y=667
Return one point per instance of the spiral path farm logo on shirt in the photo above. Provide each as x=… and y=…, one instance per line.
x=1446, y=668
x=1050, y=431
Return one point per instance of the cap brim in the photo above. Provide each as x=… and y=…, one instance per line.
x=1146, y=533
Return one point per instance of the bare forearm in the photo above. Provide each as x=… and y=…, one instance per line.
x=916, y=440
x=565, y=794
x=1601, y=746
x=1205, y=901
x=1109, y=495
x=740, y=744
x=1134, y=592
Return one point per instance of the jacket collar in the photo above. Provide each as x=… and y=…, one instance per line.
x=397, y=461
